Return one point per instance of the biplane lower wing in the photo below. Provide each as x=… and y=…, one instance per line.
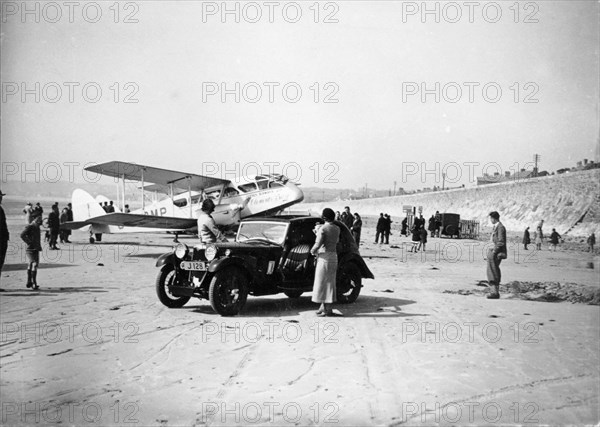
x=136, y=220
x=73, y=225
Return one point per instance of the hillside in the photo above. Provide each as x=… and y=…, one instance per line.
x=568, y=202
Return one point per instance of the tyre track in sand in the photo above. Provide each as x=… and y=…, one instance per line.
x=241, y=366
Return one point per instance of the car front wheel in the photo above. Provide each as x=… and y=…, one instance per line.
x=349, y=282
x=228, y=291
x=165, y=279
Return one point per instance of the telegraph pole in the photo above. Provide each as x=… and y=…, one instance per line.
x=536, y=159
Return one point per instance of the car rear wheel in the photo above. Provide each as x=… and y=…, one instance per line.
x=228, y=291
x=293, y=294
x=349, y=282
x=165, y=279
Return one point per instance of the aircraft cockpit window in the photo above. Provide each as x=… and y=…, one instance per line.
x=213, y=194
x=230, y=192
x=245, y=188
x=262, y=184
x=180, y=203
x=275, y=184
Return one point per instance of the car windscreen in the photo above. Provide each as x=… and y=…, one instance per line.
x=274, y=232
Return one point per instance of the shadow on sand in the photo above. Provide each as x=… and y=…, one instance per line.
x=276, y=306
x=42, y=266
x=25, y=292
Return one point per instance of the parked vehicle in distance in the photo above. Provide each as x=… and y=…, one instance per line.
x=269, y=255
x=450, y=225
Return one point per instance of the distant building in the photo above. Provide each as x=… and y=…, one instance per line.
x=493, y=179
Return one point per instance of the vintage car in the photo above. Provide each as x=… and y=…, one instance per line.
x=450, y=225
x=269, y=255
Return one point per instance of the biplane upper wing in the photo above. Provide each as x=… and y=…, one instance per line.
x=137, y=220
x=164, y=177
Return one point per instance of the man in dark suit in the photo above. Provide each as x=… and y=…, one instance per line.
x=380, y=228
x=347, y=217
x=387, y=229
x=54, y=226
x=495, y=255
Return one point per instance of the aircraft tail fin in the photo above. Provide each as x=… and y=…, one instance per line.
x=84, y=206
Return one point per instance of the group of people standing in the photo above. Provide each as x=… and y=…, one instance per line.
x=555, y=238
x=31, y=235
x=538, y=237
x=55, y=219
x=419, y=234
x=352, y=221
x=383, y=229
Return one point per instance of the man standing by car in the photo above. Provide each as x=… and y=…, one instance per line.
x=496, y=254
x=207, y=228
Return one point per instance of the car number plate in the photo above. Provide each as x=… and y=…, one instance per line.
x=193, y=265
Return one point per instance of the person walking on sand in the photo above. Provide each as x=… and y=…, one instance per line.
x=591, y=241
x=526, y=238
x=431, y=226
x=29, y=212
x=387, y=230
x=423, y=239
x=31, y=236
x=539, y=235
x=324, y=249
x=416, y=237
x=554, y=240
x=438, y=223
x=495, y=255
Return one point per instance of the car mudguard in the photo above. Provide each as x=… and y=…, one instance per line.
x=164, y=259
x=357, y=259
x=221, y=263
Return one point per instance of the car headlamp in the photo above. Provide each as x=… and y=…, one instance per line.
x=181, y=250
x=210, y=253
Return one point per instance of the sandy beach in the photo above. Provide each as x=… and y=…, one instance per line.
x=94, y=346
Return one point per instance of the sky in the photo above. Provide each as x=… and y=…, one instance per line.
x=376, y=92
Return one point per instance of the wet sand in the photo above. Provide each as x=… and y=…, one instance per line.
x=95, y=347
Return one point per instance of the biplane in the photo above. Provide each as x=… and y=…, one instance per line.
x=182, y=194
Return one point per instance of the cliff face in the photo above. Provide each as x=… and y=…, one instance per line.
x=560, y=200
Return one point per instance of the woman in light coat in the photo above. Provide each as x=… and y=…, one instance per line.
x=324, y=289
